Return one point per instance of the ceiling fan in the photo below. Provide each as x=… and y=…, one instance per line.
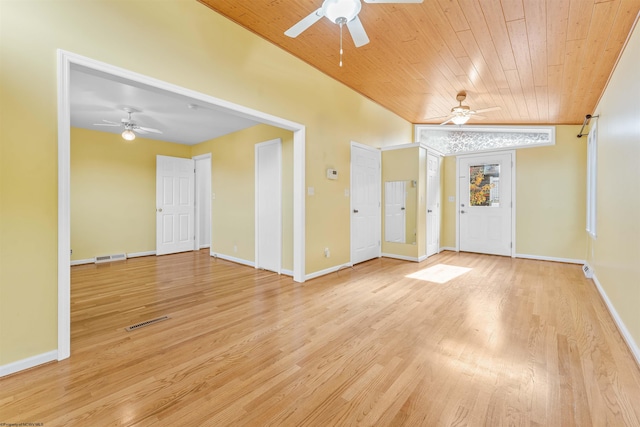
x=341, y=12
x=460, y=114
x=129, y=125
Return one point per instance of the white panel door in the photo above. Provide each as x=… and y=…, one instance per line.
x=395, y=211
x=175, y=209
x=268, y=205
x=433, y=204
x=365, y=203
x=485, y=205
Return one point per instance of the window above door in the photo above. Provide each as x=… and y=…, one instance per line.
x=454, y=140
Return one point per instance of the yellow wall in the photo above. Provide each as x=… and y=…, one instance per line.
x=181, y=42
x=402, y=165
x=615, y=254
x=551, y=197
x=233, y=183
x=113, y=192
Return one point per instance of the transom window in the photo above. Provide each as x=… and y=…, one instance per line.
x=453, y=140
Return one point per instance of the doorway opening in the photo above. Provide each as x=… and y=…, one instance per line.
x=68, y=61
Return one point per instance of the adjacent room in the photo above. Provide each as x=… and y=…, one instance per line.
x=338, y=212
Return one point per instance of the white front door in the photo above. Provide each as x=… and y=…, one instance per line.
x=395, y=211
x=268, y=205
x=365, y=203
x=433, y=204
x=175, y=208
x=485, y=203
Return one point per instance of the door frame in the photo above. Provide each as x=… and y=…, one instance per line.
x=513, y=194
x=65, y=61
x=439, y=158
x=379, y=225
x=197, y=230
x=257, y=146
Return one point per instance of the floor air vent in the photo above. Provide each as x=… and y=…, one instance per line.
x=145, y=323
x=109, y=258
x=587, y=271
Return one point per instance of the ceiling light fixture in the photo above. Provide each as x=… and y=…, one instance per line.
x=460, y=120
x=128, y=135
x=341, y=12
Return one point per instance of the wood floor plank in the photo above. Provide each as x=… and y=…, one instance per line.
x=509, y=342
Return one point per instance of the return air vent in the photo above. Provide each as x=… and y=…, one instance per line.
x=587, y=271
x=146, y=323
x=110, y=258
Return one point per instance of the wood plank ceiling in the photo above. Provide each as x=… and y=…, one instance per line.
x=541, y=62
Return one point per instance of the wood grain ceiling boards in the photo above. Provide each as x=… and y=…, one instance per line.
x=542, y=62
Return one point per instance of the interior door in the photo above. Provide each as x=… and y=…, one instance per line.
x=433, y=204
x=395, y=211
x=485, y=203
x=175, y=208
x=365, y=203
x=268, y=205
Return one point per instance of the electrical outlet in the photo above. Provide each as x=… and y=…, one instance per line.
x=71, y=252
x=327, y=253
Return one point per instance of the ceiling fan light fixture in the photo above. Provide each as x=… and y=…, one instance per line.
x=460, y=120
x=336, y=9
x=128, y=135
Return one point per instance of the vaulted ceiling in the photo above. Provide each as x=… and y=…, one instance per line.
x=541, y=62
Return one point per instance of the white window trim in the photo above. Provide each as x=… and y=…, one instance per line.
x=592, y=172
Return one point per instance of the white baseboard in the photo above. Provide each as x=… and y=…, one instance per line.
x=402, y=257
x=448, y=248
x=83, y=261
x=626, y=335
x=205, y=246
x=422, y=258
x=287, y=272
x=234, y=259
x=139, y=254
x=326, y=271
x=550, y=258
x=27, y=363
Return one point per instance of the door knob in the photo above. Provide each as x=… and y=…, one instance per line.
x=159, y=209
x=429, y=211
x=462, y=212
x=355, y=211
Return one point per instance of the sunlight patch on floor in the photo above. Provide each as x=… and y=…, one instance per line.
x=440, y=273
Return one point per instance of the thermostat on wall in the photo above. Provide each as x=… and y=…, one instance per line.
x=332, y=174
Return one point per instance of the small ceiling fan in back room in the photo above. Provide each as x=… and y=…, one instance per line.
x=129, y=125
x=340, y=12
x=460, y=114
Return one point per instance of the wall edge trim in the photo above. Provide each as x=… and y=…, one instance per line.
x=622, y=328
x=140, y=254
x=550, y=258
x=401, y=257
x=327, y=271
x=233, y=259
x=29, y=362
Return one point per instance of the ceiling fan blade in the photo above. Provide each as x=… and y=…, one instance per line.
x=152, y=130
x=486, y=110
x=447, y=121
x=358, y=34
x=305, y=23
x=107, y=124
x=139, y=130
x=393, y=1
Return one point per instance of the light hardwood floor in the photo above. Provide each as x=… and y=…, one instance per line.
x=509, y=342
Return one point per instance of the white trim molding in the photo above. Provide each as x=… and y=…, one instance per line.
x=550, y=258
x=140, y=254
x=233, y=259
x=401, y=257
x=626, y=335
x=327, y=271
x=29, y=362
